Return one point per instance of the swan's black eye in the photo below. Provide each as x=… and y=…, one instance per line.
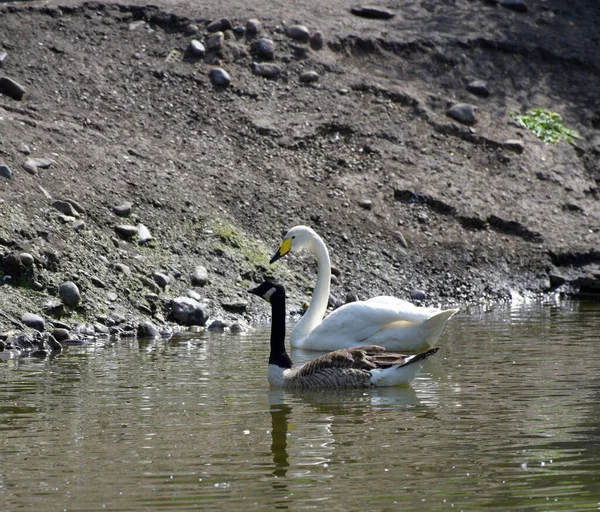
x=293, y=236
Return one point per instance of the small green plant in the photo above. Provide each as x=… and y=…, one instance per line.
x=545, y=124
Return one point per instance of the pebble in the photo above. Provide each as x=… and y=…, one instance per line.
x=5, y=172
x=264, y=48
x=400, y=237
x=78, y=225
x=123, y=210
x=60, y=334
x=30, y=167
x=200, y=276
x=220, y=77
x=239, y=306
x=123, y=269
x=317, y=41
x=3, y=56
x=253, y=27
x=463, y=113
x=239, y=326
x=218, y=325
x=24, y=148
x=84, y=330
x=143, y=233
x=41, y=163
x=66, y=208
x=147, y=330
x=193, y=294
x=217, y=25
x=34, y=321
x=126, y=230
x=11, y=88
x=27, y=259
x=111, y=296
x=298, y=32
x=366, y=204
x=161, y=279
x=515, y=5
x=215, y=41
x=150, y=284
x=514, y=145
x=196, y=48
x=188, y=311
x=309, y=77
x=479, y=88
x=69, y=293
x=271, y=71
x=418, y=295
x=368, y=11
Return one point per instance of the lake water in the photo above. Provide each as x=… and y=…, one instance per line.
x=506, y=416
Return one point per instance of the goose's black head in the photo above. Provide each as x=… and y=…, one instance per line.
x=270, y=291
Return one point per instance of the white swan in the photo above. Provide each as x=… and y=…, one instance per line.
x=386, y=321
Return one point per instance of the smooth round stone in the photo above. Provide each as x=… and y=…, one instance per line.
x=69, y=293
x=123, y=210
x=215, y=41
x=220, y=77
x=264, y=48
x=188, y=311
x=196, y=48
x=271, y=71
x=309, y=77
x=418, y=295
x=143, y=233
x=253, y=27
x=60, y=334
x=478, y=87
x=298, y=32
x=126, y=230
x=161, y=279
x=147, y=330
x=463, y=113
x=27, y=259
x=317, y=41
x=5, y=172
x=34, y=321
x=12, y=88
x=200, y=276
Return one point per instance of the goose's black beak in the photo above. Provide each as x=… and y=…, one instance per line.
x=255, y=291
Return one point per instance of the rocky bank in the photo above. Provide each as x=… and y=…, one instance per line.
x=152, y=157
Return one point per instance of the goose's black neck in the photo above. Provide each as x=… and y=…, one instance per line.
x=278, y=354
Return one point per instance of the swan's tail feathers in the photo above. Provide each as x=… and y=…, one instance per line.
x=432, y=327
x=401, y=374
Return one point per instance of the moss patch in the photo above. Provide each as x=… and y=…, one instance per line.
x=545, y=124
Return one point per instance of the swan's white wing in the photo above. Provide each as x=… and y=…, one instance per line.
x=360, y=320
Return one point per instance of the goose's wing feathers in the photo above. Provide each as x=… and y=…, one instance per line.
x=360, y=320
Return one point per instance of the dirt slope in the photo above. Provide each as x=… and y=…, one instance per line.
x=408, y=198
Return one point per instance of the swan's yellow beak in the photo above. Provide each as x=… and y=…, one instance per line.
x=284, y=248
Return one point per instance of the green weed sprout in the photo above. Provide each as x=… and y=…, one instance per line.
x=546, y=125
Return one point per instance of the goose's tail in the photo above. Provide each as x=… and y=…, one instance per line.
x=401, y=374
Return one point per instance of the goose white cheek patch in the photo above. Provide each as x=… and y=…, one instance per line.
x=270, y=293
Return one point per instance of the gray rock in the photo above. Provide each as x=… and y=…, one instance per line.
x=66, y=208
x=515, y=5
x=143, y=234
x=400, y=237
x=220, y=77
x=188, y=311
x=463, y=113
x=150, y=284
x=3, y=56
x=309, y=77
x=78, y=225
x=34, y=321
x=298, y=32
x=218, y=25
x=5, y=172
x=196, y=48
x=161, y=279
x=239, y=306
x=218, y=325
x=69, y=293
x=193, y=294
x=317, y=41
x=11, y=88
x=479, y=88
x=76, y=206
x=126, y=230
x=111, y=296
x=60, y=334
x=30, y=167
x=41, y=163
x=515, y=145
x=123, y=210
x=418, y=295
x=27, y=259
x=271, y=71
x=215, y=41
x=366, y=204
x=239, y=326
x=123, y=269
x=368, y=11
x=24, y=148
x=200, y=276
x=147, y=330
x=264, y=48
x=253, y=27
x=84, y=330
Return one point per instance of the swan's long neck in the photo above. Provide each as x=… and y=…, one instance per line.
x=318, y=304
x=278, y=355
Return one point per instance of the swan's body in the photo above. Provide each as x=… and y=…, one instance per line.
x=357, y=367
x=387, y=321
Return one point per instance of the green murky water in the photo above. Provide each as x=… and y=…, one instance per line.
x=505, y=417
